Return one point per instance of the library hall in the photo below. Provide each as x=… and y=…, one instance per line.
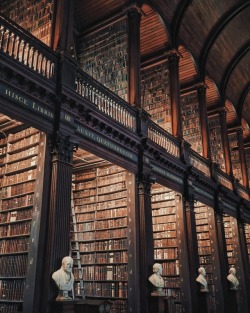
x=124, y=156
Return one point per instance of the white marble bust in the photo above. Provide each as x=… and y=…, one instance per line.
x=202, y=280
x=234, y=283
x=157, y=281
x=64, y=279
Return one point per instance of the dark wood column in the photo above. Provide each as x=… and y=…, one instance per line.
x=134, y=80
x=226, y=150
x=173, y=59
x=146, y=254
x=58, y=224
x=62, y=32
x=223, y=261
x=192, y=250
x=244, y=253
x=188, y=202
x=201, y=95
x=242, y=157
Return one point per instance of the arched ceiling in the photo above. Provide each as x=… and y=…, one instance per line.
x=214, y=35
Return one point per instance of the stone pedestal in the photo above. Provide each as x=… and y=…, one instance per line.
x=158, y=304
x=92, y=306
x=68, y=306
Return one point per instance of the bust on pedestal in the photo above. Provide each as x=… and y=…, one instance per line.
x=157, y=281
x=202, y=280
x=64, y=279
x=234, y=283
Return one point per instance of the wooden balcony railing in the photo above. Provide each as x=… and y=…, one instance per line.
x=199, y=162
x=224, y=179
x=106, y=101
x=164, y=139
x=26, y=49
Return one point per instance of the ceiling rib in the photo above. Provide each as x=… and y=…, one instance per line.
x=240, y=54
x=242, y=99
x=223, y=22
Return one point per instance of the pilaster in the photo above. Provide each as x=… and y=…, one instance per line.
x=58, y=234
x=173, y=59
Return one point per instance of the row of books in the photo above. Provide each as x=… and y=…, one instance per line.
x=99, y=234
x=27, y=132
x=104, y=272
x=165, y=253
x=162, y=227
x=14, y=216
x=14, y=245
x=20, y=177
x=21, y=165
x=171, y=268
x=17, y=202
x=19, y=189
x=89, y=207
x=109, y=289
x=12, y=289
x=15, y=229
x=105, y=257
x=10, y=307
x=26, y=142
x=13, y=265
x=164, y=243
x=165, y=234
x=23, y=154
x=114, y=244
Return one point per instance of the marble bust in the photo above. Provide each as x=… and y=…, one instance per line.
x=202, y=280
x=234, y=283
x=157, y=281
x=64, y=279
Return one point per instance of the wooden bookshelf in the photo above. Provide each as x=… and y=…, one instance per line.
x=21, y=152
x=204, y=218
x=235, y=156
x=34, y=17
x=247, y=234
x=155, y=94
x=230, y=233
x=166, y=243
x=100, y=205
x=105, y=57
x=216, y=144
x=191, y=127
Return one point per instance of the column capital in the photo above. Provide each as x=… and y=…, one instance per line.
x=62, y=148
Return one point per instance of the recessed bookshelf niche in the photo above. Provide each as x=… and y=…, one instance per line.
x=155, y=94
x=206, y=234
x=22, y=151
x=34, y=16
x=191, y=121
x=247, y=235
x=104, y=56
x=100, y=229
x=235, y=156
x=216, y=144
x=167, y=240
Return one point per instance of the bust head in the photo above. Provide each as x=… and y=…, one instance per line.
x=232, y=271
x=202, y=271
x=67, y=264
x=157, y=268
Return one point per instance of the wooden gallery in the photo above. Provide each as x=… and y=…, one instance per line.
x=124, y=156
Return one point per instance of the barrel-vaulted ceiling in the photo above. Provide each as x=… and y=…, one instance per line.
x=211, y=36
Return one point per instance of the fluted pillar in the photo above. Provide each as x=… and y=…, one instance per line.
x=146, y=248
x=242, y=157
x=58, y=230
x=174, y=92
x=225, y=141
x=201, y=95
x=134, y=81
